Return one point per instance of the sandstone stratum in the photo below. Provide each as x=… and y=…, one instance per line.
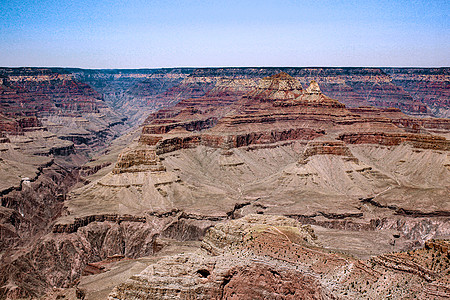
x=273, y=257
x=241, y=183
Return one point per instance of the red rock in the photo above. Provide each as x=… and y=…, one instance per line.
x=430, y=86
x=392, y=139
x=279, y=103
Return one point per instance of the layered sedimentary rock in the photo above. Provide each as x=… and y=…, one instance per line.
x=317, y=128
x=352, y=86
x=429, y=86
x=368, y=181
x=58, y=89
x=144, y=157
x=138, y=92
x=18, y=108
x=279, y=100
x=327, y=148
x=133, y=90
x=275, y=257
x=89, y=131
x=299, y=154
x=32, y=98
x=134, y=93
x=58, y=260
x=49, y=123
x=392, y=139
x=36, y=175
x=277, y=87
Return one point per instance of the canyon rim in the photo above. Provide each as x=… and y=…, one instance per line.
x=224, y=150
x=315, y=183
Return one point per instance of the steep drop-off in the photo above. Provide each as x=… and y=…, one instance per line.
x=258, y=257
x=367, y=180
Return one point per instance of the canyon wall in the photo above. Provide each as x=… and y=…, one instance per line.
x=224, y=144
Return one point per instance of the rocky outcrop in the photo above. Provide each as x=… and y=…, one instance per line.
x=58, y=260
x=322, y=132
x=351, y=86
x=85, y=221
x=168, y=126
x=324, y=189
x=416, y=91
x=135, y=93
x=392, y=139
x=19, y=124
x=280, y=100
x=229, y=279
x=65, y=93
x=28, y=209
x=429, y=86
x=226, y=141
x=217, y=277
x=277, y=87
x=327, y=148
x=410, y=124
x=37, y=170
x=18, y=109
x=54, y=100
x=61, y=257
x=283, y=260
x=33, y=186
x=234, y=145
x=355, y=86
x=138, y=160
x=294, y=155
x=313, y=96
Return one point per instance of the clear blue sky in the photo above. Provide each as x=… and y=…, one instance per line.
x=153, y=33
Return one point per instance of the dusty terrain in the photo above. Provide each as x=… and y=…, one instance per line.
x=371, y=183
x=259, y=257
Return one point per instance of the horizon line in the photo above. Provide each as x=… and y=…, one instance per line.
x=220, y=67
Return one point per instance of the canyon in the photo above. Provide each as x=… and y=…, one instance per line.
x=329, y=183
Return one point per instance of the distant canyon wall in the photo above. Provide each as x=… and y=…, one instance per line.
x=31, y=92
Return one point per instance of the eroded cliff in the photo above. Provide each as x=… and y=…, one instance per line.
x=368, y=181
x=275, y=257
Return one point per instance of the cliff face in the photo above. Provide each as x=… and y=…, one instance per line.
x=323, y=135
x=239, y=141
x=363, y=86
x=276, y=110
x=49, y=123
x=18, y=108
x=429, y=86
x=36, y=173
x=136, y=93
x=48, y=92
x=139, y=92
x=54, y=100
x=58, y=260
x=369, y=180
x=274, y=257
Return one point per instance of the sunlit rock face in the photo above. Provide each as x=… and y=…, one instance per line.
x=278, y=102
x=277, y=87
x=275, y=257
x=240, y=147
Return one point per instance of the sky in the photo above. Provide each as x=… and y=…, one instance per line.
x=153, y=33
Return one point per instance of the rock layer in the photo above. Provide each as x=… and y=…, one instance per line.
x=260, y=256
x=308, y=114
x=369, y=180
